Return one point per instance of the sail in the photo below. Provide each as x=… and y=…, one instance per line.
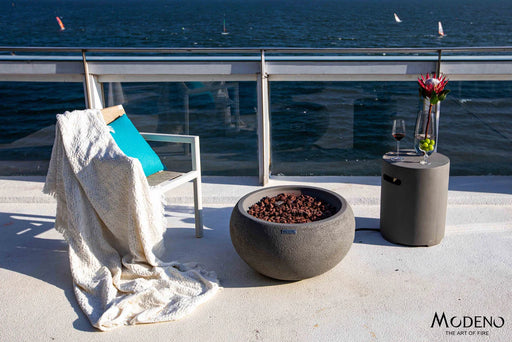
x=62, y=28
x=397, y=19
x=440, y=29
x=224, y=31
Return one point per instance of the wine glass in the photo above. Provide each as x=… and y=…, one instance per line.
x=398, y=133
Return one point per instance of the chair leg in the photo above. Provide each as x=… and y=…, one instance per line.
x=198, y=207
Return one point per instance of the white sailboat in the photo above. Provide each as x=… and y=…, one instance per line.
x=440, y=29
x=397, y=19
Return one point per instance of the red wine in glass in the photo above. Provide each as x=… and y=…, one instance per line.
x=398, y=133
x=399, y=136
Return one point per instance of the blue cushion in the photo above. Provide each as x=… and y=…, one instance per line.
x=134, y=145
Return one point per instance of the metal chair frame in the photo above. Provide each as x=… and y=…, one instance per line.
x=167, y=180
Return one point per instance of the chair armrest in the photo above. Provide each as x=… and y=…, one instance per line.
x=175, y=138
x=193, y=140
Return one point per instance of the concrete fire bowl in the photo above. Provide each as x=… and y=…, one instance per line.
x=292, y=251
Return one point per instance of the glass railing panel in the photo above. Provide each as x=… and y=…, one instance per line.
x=344, y=128
x=222, y=114
x=336, y=128
x=27, y=123
x=475, y=129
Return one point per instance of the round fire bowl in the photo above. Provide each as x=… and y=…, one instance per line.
x=292, y=251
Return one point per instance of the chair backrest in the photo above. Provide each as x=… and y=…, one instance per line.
x=112, y=113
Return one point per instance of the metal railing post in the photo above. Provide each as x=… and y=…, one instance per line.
x=263, y=123
x=88, y=96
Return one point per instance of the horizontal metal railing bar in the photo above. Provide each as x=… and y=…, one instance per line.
x=278, y=50
x=250, y=58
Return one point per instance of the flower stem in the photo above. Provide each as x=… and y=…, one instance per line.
x=428, y=121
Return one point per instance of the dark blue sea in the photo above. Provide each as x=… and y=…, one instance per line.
x=318, y=128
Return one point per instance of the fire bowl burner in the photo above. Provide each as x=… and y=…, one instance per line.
x=292, y=251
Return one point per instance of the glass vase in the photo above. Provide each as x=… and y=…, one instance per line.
x=425, y=131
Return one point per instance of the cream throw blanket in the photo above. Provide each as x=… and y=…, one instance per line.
x=113, y=223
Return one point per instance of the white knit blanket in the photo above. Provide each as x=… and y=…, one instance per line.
x=113, y=223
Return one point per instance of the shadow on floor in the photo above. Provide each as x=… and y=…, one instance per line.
x=368, y=232
x=25, y=251
x=217, y=253
x=214, y=250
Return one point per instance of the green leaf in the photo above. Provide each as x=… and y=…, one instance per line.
x=434, y=99
x=443, y=94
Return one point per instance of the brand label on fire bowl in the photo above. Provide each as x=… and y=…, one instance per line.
x=288, y=231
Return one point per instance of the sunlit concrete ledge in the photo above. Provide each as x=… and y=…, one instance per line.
x=379, y=292
x=218, y=189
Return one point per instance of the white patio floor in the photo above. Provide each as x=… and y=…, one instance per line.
x=379, y=292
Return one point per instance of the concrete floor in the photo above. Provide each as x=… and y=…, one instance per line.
x=379, y=292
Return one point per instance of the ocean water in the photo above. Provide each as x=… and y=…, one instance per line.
x=317, y=127
x=255, y=23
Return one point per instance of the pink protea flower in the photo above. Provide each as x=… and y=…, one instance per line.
x=433, y=87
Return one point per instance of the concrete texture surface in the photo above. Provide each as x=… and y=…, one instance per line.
x=379, y=292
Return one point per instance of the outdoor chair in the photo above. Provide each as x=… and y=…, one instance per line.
x=134, y=145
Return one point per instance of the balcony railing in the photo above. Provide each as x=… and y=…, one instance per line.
x=95, y=67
